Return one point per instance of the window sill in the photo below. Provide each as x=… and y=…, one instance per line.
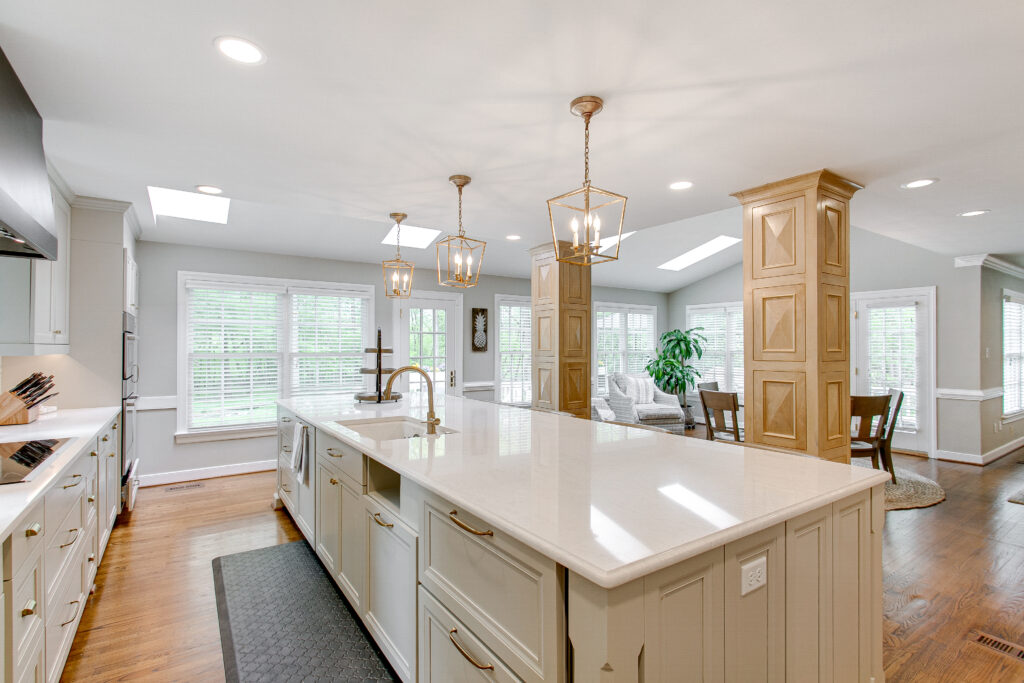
x=1012, y=417
x=224, y=434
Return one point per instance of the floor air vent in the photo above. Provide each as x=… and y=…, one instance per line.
x=998, y=644
x=183, y=487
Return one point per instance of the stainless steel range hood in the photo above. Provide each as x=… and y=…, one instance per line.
x=26, y=205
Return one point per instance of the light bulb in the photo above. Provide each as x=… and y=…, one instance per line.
x=575, y=225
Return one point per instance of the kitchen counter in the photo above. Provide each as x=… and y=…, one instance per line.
x=79, y=426
x=610, y=503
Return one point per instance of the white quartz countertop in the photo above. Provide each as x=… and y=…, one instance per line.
x=610, y=503
x=78, y=426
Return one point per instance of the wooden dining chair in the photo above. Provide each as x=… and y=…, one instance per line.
x=716, y=404
x=867, y=442
x=710, y=386
x=885, y=447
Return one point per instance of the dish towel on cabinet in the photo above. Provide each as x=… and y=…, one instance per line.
x=300, y=453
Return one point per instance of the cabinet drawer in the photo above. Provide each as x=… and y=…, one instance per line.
x=64, y=540
x=449, y=651
x=90, y=556
x=347, y=459
x=31, y=667
x=63, y=612
x=506, y=593
x=67, y=490
x=287, y=487
x=28, y=537
x=26, y=609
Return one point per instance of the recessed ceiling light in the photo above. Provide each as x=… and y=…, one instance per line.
x=700, y=253
x=413, y=237
x=971, y=214
x=609, y=242
x=240, y=50
x=681, y=185
x=514, y=238
x=922, y=182
x=209, y=189
x=190, y=205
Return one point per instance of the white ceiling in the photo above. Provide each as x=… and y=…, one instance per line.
x=366, y=108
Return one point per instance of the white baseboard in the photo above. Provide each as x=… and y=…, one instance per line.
x=161, y=478
x=984, y=459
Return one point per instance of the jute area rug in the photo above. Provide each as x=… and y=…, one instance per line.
x=911, y=490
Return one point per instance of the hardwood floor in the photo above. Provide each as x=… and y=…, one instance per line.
x=153, y=617
x=949, y=570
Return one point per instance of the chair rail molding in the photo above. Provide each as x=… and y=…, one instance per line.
x=989, y=261
x=969, y=394
x=156, y=402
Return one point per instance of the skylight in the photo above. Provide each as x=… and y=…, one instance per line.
x=190, y=205
x=700, y=253
x=608, y=242
x=416, y=238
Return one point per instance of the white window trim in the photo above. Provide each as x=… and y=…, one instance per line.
x=692, y=397
x=513, y=300
x=1018, y=298
x=613, y=307
x=182, y=433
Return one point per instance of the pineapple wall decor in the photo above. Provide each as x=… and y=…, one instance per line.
x=479, y=329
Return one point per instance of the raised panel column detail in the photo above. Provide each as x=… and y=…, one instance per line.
x=561, y=333
x=796, y=302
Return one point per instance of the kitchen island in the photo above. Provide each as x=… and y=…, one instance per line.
x=522, y=544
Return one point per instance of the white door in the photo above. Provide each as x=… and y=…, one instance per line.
x=893, y=348
x=430, y=337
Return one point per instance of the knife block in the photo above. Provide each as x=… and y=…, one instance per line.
x=14, y=412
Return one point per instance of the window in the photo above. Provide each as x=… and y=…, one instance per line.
x=892, y=348
x=244, y=342
x=722, y=360
x=512, y=362
x=624, y=340
x=1013, y=352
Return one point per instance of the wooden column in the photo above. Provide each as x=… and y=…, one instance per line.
x=796, y=301
x=561, y=333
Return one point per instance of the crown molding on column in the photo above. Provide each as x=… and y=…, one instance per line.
x=989, y=261
x=133, y=222
x=98, y=204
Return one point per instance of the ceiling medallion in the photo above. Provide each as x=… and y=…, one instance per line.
x=459, y=258
x=397, y=273
x=578, y=217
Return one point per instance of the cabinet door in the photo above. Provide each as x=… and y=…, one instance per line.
x=352, y=568
x=112, y=503
x=306, y=492
x=60, y=279
x=391, y=586
x=328, y=518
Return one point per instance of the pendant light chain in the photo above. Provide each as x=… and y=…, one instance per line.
x=586, y=150
x=461, y=231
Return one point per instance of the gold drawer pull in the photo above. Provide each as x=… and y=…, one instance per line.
x=462, y=525
x=93, y=453
x=75, y=616
x=91, y=499
x=74, y=476
x=34, y=529
x=91, y=557
x=286, y=449
x=29, y=609
x=106, y=438
x=113, y=426
x=285, y=489
x=376, y=518
x=111, y=455
x=469, y=657
x=76, y=532
x=286, y=419
x=334, y=482
x=333, y=452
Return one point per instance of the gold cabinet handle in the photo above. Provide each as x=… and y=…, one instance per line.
x=105, y=438
x=75, y=616
x=286, y=419
x=469, y=657
x=57, y=331
x=286, y=449
x=333, y=452
x=113, y=426
x=465, y=527
x=111, y=455
x=285, y=489
x=76, y=532
x=376, y=518
x=334, y=482
x=93, y=453
x=91, y=557
x=29, y=609
x=78, y=477
x=34, y=529
x=91, y=499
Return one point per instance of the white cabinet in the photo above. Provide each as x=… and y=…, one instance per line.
x=351, y=574
x=305, y=487
x=297, y=492
x=328, y=518
x=390, y=605
x=51, y=283
x=109, y=480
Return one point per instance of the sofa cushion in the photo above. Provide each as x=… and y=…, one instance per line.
x=658, y=411
x=640, y=389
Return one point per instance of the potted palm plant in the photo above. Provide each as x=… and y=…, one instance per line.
x=670, y=369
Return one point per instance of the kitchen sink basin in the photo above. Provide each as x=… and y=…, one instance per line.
x=390, y=428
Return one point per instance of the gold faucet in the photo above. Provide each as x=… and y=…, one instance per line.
x=432, y=420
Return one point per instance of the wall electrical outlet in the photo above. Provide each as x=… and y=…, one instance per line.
x=753, y=575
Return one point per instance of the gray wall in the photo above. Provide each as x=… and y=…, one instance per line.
x=994, y=434
x=159, y=264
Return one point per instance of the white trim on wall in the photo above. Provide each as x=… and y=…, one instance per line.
x=157, y=402
x=989, y=261
x=163, y=478
x=985, y=458
x=969, y=394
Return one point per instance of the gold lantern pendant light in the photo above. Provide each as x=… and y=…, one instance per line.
x=397, y=273
x=459, y=258
x=582, y=218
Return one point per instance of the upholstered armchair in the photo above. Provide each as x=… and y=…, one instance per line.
x=636, y=399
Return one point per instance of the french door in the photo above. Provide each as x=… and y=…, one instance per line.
x=429, y=336
x=894, y=348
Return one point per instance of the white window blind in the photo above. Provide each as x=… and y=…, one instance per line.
x=234, y=356
x=722, y=360
x=514, y=346
x=893, y=357
x=1013, y=352
x=326, y=342
x=624, y=340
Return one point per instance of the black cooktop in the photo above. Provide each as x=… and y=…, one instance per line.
x=19, y=458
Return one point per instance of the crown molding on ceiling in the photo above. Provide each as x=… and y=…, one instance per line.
x=101, y=204
x=989, y=261
x=58, y=182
